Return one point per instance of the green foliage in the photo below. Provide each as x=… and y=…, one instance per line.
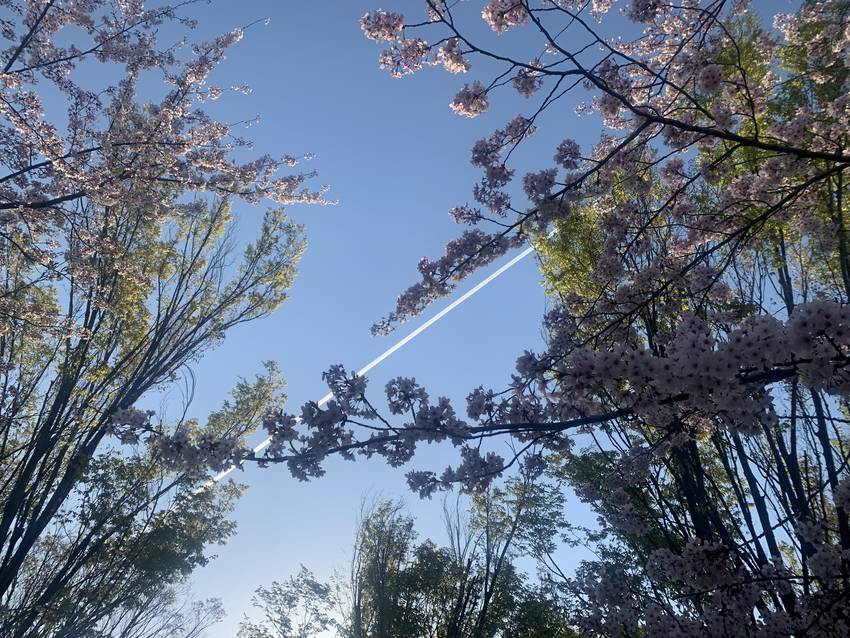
x=94, y=531
x=296, y=608
x=406, y=588
x=569, y=256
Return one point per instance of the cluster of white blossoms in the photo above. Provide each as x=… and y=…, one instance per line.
x=473, y=249
x=471, y=100
x=538, y=185
x=568, y=154
x=841, y=495
x=130, y=417
x=643, y=10
x=404, y=57
x=179, y=451
x=502, y=15
x=475, y=472
x=451, y=57
x=195, y=456
x=108, y=150
x=611, y=603
x=700, y=380
x=382, y=26
x=488, y=154
x=126, y=424
x=704, y=570
x=709, y=78
x=303, y=443
x=716, y=596
x=818, y=335
x=726, y=379
x=528, y=80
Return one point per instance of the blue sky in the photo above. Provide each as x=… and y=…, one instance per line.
x=396, y=159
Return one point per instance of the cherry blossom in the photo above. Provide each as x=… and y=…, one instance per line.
x=501, y=15
x=471, y=100
x=382, y=26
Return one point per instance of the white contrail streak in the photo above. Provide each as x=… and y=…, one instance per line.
x=401, y=342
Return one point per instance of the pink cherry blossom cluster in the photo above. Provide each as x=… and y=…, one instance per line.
x=568, y=154
x=488, y=154
x=405, y=57
x=502, y=15
x=710, y=78
x=450, y=55
x=528, y=79
x=194, y=456
x=725, y=381
x=703, y=377
x=643, y=10
x=127, y=424
x=471, y=100
x=382, y=26
x=470, y=251
x=306, y=441
x=112, y=149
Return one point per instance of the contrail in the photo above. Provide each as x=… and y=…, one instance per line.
x=401, y=342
